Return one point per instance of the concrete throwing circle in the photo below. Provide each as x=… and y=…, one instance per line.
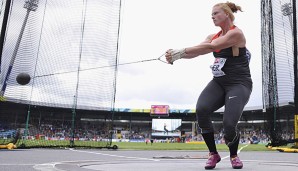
x=163, y=165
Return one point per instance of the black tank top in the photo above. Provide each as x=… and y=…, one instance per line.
x=229, y=69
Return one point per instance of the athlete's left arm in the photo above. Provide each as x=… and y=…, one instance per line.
x=230, y=39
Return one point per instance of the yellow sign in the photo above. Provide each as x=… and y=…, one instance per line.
x=2, y=98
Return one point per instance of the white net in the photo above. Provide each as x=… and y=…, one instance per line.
x=63, y=46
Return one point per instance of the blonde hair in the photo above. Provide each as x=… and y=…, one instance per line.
x=229, y=8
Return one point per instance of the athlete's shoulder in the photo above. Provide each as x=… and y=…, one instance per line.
x=235, y=34
x=236, y=31
x=238, y=34
x=211, y=36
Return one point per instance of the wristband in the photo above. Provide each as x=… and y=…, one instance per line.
x=177, y=54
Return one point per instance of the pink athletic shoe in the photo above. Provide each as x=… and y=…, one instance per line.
x=212, y=160
x=236, y=162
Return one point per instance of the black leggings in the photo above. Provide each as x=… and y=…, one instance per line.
x=213, y=97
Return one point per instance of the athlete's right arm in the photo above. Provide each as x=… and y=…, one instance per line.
x=175, y=54
x=207, y=40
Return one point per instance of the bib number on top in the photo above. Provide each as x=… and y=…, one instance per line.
x=217, y=67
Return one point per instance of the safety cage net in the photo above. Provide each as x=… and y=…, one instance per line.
x=277, y=35
x=58, y=69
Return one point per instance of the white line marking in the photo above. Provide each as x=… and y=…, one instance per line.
x=15, y=164
x=239, y=150
x=242, y=148
x=47, y=167
x=111, y=155
x=51, y=166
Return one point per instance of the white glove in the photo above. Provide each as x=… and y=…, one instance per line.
x=177, y=54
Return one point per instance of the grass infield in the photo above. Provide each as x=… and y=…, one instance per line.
x=184, y=146
x=134, y=145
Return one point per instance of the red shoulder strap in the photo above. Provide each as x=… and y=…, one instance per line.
x=218, y=34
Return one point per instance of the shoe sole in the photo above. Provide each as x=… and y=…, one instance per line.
x=238, y=167
x=209, y=168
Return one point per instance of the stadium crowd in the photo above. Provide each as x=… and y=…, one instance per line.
x=99, y=132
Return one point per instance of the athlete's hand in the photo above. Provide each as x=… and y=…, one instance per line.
x=168, y=56
x=174, y=54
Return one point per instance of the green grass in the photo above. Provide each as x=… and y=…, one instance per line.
x=59, y=144
x=135, y=145
x=184, y=146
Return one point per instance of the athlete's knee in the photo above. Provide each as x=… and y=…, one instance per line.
x=231, y=135
x=202, y=110
x=203, y=116
x=203, y=113
x=204, y=123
